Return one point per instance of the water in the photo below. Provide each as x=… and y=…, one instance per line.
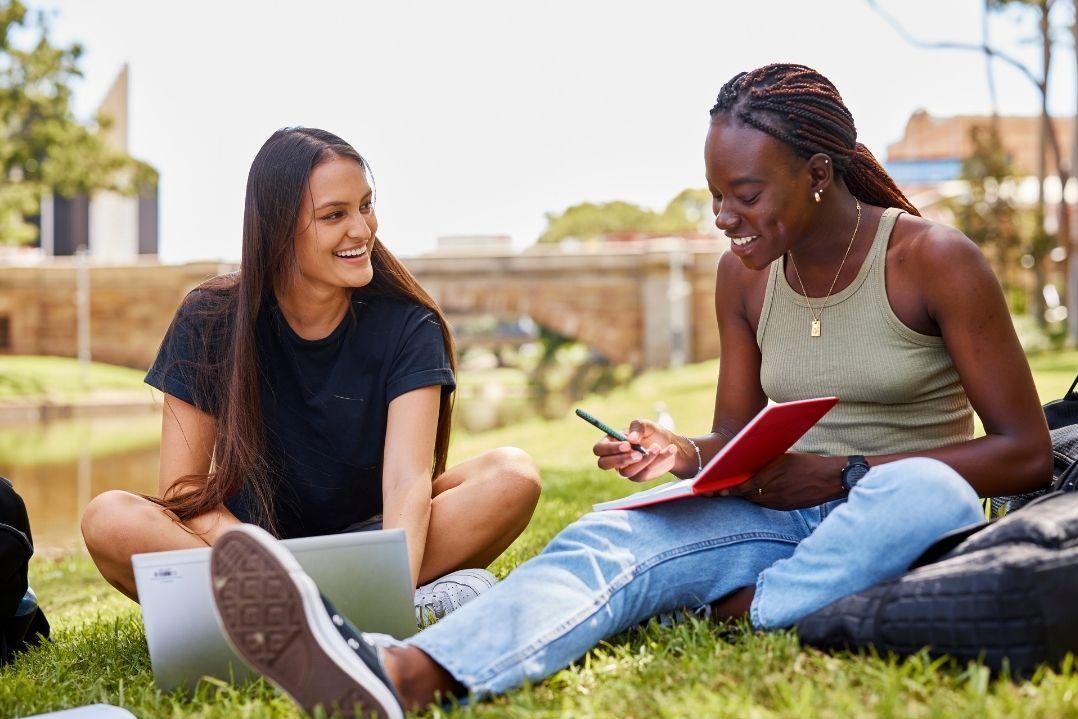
x=58, y=466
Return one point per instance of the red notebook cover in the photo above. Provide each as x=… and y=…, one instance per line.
x=769, y=434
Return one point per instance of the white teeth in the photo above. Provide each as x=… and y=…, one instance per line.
x=352, y=253
x=742, y=241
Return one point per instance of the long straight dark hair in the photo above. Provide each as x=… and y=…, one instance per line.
x=225, y=311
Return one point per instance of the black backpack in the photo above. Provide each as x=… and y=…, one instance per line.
x=1004, y=593
x=1062, y=416
x=19, y=628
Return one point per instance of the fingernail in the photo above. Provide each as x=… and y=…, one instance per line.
x=635, y=457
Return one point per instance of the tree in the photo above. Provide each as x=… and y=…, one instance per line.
x=689, y=211
x=588, y=221
x=987, y=214
x=43, y=147
x=1041, y=242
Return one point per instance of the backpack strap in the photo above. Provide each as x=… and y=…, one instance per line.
x=1068, y=481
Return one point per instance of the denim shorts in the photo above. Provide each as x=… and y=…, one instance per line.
x=370, y=524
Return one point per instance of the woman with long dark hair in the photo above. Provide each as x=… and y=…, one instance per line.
x=311, y=393
x=833, y=286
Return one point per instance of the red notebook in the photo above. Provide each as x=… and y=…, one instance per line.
x=770, y=433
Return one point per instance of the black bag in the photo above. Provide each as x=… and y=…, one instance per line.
x=1062, y=417
x=1006, y=595
x=18, y=629
x=1005, y=592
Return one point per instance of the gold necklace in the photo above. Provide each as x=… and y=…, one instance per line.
x=816, y=330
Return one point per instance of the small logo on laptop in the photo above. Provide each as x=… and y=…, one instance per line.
x=164, y=574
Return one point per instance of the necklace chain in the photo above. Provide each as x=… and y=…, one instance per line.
x=816, y=329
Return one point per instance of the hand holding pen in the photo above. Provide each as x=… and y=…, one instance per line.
x=598, y=423
x=647, y=451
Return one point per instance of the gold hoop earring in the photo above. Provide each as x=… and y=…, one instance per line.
x=817, y=193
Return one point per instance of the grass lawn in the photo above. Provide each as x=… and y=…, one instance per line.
x=61, y=378
x=692, y=670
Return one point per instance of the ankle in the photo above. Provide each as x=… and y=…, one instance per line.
x=417, y=678
x=733, y=606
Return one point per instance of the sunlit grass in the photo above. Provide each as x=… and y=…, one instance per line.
x=691, y=670
x=62, y=378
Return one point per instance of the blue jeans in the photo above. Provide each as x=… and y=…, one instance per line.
x=611, y=570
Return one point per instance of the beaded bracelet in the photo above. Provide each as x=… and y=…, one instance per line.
x=699, y=458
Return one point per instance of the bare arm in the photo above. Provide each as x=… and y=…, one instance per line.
x=738, y=396
x=959, y=294
x=407, y=465
x=968, y=306
x=187, y=439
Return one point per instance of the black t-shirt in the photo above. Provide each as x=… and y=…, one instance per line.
x=325, y=402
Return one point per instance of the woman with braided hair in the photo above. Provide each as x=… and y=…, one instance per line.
x=833, y=286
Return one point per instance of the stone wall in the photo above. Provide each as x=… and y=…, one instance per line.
x=617, y=302
x=130, y=308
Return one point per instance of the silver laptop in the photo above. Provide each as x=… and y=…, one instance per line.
x=365, y=574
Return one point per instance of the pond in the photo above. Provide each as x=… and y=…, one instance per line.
x=58, y=466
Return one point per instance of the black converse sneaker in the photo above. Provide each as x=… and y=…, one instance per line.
x=275, y=618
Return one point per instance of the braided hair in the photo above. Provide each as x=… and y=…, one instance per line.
x=800, y=107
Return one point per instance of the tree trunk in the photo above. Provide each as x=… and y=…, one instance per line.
x=1039, y=239
x=1072, y=265
x=1063, y=166
x=1003, y=260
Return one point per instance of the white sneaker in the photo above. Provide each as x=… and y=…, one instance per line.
x=433, y=601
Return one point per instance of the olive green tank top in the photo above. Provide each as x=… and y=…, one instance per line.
x=898, y=389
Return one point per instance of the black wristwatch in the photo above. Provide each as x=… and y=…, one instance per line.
x=856, y=468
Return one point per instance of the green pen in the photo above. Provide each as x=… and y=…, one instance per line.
x=609, y=430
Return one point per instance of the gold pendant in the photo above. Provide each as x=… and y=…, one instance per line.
x=815, y=329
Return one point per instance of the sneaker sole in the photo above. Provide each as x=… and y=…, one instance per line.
x=272, y=615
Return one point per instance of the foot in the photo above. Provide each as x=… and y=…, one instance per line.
x=276, y=619
x=442, y=596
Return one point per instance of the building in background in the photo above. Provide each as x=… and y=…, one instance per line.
x=473, y=244
x=114, y=228
x=927, y=161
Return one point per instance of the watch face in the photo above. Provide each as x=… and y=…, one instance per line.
x=853, y=473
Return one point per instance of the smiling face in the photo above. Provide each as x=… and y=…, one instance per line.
x=763, y=192
x=337, y=227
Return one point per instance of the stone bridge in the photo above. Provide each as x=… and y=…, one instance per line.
x=647, y=303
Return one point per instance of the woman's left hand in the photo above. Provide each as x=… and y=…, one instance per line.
x=794, y=481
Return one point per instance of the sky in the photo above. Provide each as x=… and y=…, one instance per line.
x=478, y=117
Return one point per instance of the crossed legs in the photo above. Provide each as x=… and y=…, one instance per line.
x=478, y=508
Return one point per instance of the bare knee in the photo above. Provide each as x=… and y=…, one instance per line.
x=517, y=472
x=108, y=519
